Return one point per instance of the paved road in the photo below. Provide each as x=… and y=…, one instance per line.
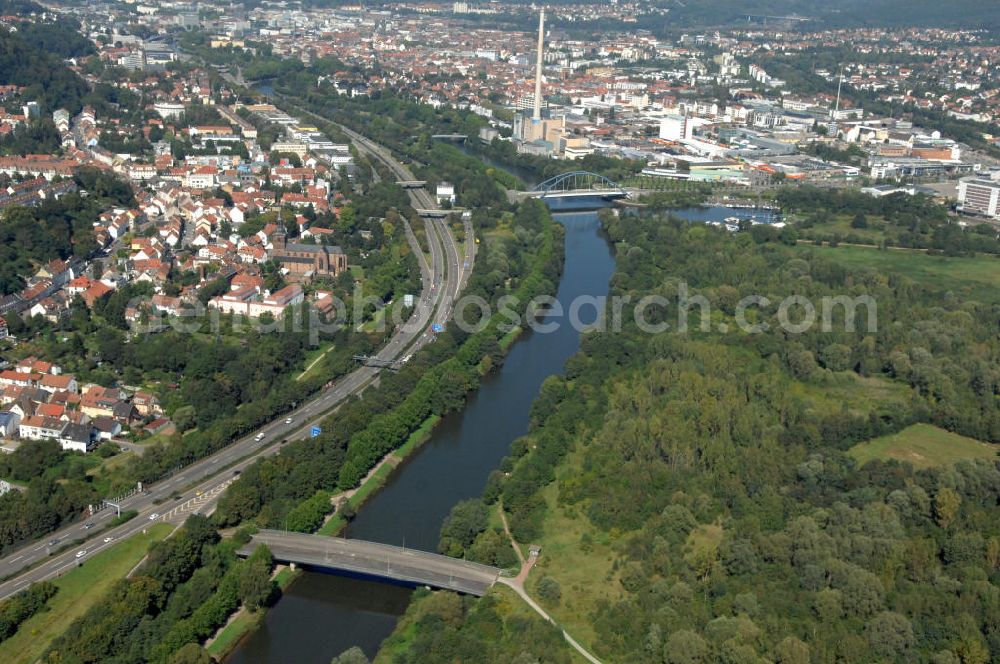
x=375, y=559
x=200, y=485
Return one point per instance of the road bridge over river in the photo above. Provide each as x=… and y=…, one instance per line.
x=371, y=559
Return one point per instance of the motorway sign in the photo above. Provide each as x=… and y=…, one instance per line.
x=315, y=432
x=437, y=327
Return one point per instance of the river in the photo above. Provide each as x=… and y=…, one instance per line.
x=321, y=615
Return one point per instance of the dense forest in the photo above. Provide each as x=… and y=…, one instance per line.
x=60, y=36
x=696, y=493
x=45, y=78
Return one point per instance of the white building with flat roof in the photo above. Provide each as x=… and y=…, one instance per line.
x=979, y=195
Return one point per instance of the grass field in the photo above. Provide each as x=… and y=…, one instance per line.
x=585, y=571
x=242, y=624
x=840, y=224
x=924, y=446
x=79, y=590
x=858, y=394
x=975, y=278
x=314, y=359
x=508, y=339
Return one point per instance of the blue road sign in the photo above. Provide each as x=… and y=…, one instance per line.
x=316, y=431
x=437, y=327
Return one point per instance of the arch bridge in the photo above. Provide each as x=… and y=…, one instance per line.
x=578, y=184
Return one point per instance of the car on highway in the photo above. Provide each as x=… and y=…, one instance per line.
x=53, y=542
x=108, y=539
x=154, y=516
x=259, y=437
x=81, y=553
x=88, y=526
x=288, y=420
x=237, y=471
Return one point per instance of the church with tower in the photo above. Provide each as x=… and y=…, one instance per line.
x=303, y=262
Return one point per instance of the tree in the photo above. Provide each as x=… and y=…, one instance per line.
x=352, y=656
x=255, y=584
x=466, y=520
x=946, y=505
x=192, y=653
x=184, y=418
x=890, y=635
x=791, y=651
x=685, y=647
x=859, y=221
x=828, y=605
x=549, y=591
x=801, y=364
x=971, y=650
x=836, y=357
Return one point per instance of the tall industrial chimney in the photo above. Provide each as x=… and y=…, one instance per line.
x=538, y=67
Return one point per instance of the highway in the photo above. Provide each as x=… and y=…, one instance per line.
x=420, y=199
x=200, y=484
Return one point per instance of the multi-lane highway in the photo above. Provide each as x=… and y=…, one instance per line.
x=196, y=488
x=420, y=199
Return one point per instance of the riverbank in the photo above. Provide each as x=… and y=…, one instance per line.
x=353, y=499
x=243, y=622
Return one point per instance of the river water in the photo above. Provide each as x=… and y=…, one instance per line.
x=321, y=615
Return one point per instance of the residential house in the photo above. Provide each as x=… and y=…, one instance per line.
x=146, y=403
x=36, y=427
x=62, y=383
x=106, y=428
x=76, y=438
x=96, y=291
x=99, y=401
x=19, y=378
x=34, y=365
x=54, y=410
x=125, y=413
x=51, y=308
